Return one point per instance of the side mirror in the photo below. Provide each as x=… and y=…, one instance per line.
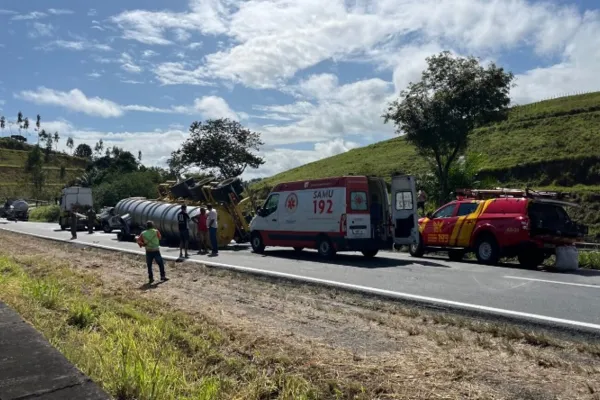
x=429, y=215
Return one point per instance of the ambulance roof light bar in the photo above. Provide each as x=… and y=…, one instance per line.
x=507, y=193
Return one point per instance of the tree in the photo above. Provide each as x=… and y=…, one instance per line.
x=139, y=155
x=38, y=120
x=2, y=124
x=455, y=95
x=70, y=143
x=34, y=166
x=222, y=145
x=48, y=151
x=56, y=138
x=83, y=151
x=98, y=147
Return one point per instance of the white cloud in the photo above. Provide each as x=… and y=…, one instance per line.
x=29, y=16
x=58, y=11
x=149, y=53
x=92, y=12
x=74, y=45
x=7, y=12
x=176, y=73
x=213, y=107
x=128, y=64
x=74, y=100
x=195, y=45
x=39, y=30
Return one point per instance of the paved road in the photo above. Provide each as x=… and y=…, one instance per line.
x=561, y=298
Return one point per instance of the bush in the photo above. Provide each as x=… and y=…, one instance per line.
x=45, y=213
x=135, y=184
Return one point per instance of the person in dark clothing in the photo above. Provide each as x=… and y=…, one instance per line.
x=91, y=220
x=73, y=218
x=376, y=214
x=183, y=220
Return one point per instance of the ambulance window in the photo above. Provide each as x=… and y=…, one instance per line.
x=466, y=209
x=404, y=201
x=358, y=201
x=271, y=204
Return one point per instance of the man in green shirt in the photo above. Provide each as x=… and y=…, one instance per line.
x=150, y=239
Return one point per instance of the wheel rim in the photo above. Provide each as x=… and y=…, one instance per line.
x=324, y=247
x=413, y=248
x=256, y=242
x=485, y=250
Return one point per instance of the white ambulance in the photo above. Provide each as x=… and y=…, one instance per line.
x=347, y=213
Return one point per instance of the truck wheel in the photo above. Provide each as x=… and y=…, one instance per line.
x=486, y=250
x=106, y=228
x=257, y=243
x=369, y=253
x=530, y=258
x=417, y=250
x=456, y=255
x=325, y=247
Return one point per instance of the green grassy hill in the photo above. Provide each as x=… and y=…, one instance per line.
x=550, y=144
x=15, y=182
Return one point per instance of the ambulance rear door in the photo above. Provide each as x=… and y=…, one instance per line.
x=404, y=210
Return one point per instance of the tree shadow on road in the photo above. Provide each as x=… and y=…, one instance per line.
x=351, y=260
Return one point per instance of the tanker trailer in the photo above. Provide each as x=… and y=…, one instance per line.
x=136, y=212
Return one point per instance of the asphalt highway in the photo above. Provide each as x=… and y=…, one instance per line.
x=567, y=299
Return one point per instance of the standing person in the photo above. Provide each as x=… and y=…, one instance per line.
x=202, y=231
x=91, y=220
x=73, y=218
x=183, y=219
x=421, y=199
x=211, y=222
x=150, y=239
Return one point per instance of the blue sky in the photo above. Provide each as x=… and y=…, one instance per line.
x=313, y=77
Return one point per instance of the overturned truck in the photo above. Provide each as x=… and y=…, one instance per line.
x=226, y=197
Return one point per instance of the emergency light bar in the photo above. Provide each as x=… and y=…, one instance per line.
x=481, y=194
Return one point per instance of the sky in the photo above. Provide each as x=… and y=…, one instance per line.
x=312, y=76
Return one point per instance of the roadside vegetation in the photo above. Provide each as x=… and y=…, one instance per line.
x=213, y=334
x=49, y=213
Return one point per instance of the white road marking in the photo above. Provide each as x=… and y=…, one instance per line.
x=342, y=285
x=557, y=282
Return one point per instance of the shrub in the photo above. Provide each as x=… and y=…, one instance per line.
x=45, y=213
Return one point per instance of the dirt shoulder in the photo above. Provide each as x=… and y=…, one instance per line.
x=382, y=349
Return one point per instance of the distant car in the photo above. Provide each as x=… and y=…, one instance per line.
x=527, y=226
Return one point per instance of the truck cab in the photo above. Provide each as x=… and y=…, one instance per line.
x=78, y=199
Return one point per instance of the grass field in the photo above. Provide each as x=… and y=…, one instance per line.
x=560, y=129
x=15, y=182
x=214, y=334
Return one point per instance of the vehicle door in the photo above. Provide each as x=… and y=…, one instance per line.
x=438, y=228
x=268, y=216
x=466, y=218
x=404, y=210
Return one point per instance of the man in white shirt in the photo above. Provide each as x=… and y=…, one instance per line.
x=211, y=221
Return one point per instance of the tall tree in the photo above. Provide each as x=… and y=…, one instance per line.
x=38, y=120
x=222, y=146
x=56, y=138
x=34, y=165
x=20, y=121
x=2, y=124
x=70, y=143
x=83, y=151
x=454, y=96
x=99, y=147
x=139, y=155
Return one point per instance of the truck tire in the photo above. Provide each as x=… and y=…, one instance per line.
x=258, y=246
x=369, y=253
x=231, y=185
x=417, y=250
x=325, y=247
x=487, y=250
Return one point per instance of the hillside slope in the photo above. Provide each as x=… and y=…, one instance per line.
x=15, y=182
x=535, y=137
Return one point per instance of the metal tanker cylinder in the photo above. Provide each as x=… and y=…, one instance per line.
x=164, y=216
